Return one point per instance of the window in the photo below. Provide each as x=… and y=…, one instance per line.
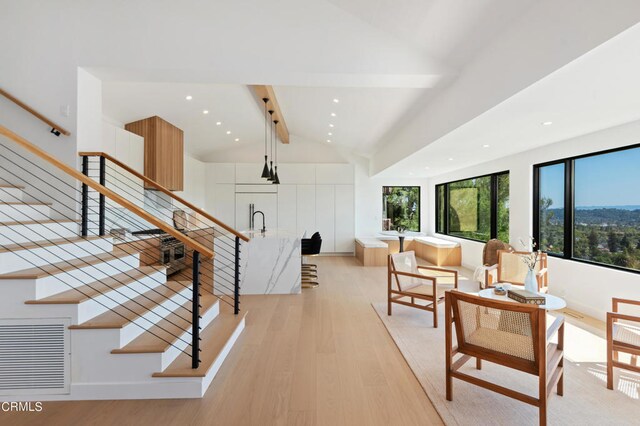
x=476, y=208
x=601, y=221
x=401, y=208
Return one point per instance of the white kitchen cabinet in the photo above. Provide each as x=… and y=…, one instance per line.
x=224, y=203
x=264, y=202
x=333, y=174
x=249, y=173
x=325, y=216
x=344, y=218
x=287, y=217
x=301, y=174
x=136, y=152
x=306, y=209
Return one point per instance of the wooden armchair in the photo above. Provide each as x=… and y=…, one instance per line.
x=406, y=279
x=622, y=337
x=511, y=269
x=490, y=259
x=513, y=335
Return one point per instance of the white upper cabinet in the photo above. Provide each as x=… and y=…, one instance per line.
x=301, y=174
x=250, y=173
x=136, y=152
x=325, y=216
x=306, y=210
x=287, y=202
x=333, y=174
x=345, y=218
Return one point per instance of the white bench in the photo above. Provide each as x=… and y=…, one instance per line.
x=371, y=251
x=438, y=251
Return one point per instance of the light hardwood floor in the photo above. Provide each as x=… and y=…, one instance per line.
x=320, y=358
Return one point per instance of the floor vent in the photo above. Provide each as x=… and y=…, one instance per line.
x=34, y=356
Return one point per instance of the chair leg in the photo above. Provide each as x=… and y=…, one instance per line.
x=435, y=313
x=634, y=360
x=478, y=364
x=542, y=389
x=449, y=386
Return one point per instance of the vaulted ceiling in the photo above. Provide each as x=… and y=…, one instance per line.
x=406, y=73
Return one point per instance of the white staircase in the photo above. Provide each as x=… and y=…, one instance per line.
x=127, y=328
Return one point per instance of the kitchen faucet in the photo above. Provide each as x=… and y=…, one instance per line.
x=264, y=228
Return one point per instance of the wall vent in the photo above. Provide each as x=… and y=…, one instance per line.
x=34, y=356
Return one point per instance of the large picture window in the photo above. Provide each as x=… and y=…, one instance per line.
x=587, y=208
x=401, y=208
x=476, y=208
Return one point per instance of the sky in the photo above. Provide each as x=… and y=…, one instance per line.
x=603, y=180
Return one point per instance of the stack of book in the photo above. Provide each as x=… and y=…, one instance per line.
x=524, y=296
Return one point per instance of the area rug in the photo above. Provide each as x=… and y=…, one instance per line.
x=586, y=400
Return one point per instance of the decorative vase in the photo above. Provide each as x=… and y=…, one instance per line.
x=530, y=283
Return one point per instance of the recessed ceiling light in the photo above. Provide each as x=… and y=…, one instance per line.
x=336, y=100
x=205, y=111
x=450, y=159
x=189, y=97
x=330, y=134
x=228, y=132
x=485, y=146
x=329, y=140
x=333, y=114
x=237, y=139
x=330, y=125
x=547, y=123
x=218, y=123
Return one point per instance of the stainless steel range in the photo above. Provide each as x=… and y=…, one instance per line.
x=172, y=254
x=172, y=250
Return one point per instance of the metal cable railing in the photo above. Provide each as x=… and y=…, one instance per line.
x=110, y=196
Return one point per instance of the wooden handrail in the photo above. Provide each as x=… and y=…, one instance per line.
x=34, y=112
x=188, y=241
x=165, y=191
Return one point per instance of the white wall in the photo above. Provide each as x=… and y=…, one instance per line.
x=586, y=288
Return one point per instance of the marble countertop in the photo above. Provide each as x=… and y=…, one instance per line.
x=270, y=233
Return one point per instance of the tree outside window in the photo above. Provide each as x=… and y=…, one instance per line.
x=401, y=208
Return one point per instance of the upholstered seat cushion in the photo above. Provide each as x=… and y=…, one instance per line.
x=507, y=343
x=427, y=290
x=626, y=333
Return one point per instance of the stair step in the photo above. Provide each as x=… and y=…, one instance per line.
x=11, y=193
x=215, y=339
x=47, y=243
x=65, y=266
x=128, y=312
x=167, y=331
x=22, y=210
x=27, y=231
x=80, y=294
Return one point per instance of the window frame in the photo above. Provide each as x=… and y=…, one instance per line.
x=419, y=202
x=493, y=232
x=569, y=205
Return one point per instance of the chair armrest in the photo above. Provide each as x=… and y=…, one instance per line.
x=559, y=322
x=408, y=274
x=617, y=316
x=541, y=272
x=491, y=268
x=616, y=300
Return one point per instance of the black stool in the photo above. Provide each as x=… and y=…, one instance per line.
x=310, y=247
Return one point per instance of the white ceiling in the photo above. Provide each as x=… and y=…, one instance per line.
x=384, y=60
x=380, y=58
x=594, y=92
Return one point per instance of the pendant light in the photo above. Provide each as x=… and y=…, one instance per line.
x=270, y=169
x=276, y=179
x=265, y=169
x=271, y=177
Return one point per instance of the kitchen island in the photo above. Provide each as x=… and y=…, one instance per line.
x=269, y=263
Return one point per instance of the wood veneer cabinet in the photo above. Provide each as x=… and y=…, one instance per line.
x=163, y=151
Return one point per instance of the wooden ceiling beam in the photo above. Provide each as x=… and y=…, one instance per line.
x=263, y=91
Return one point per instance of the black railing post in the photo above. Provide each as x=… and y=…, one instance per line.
x=85, y=198
x=236, y=281
x=195, y=331
x=103, y=182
